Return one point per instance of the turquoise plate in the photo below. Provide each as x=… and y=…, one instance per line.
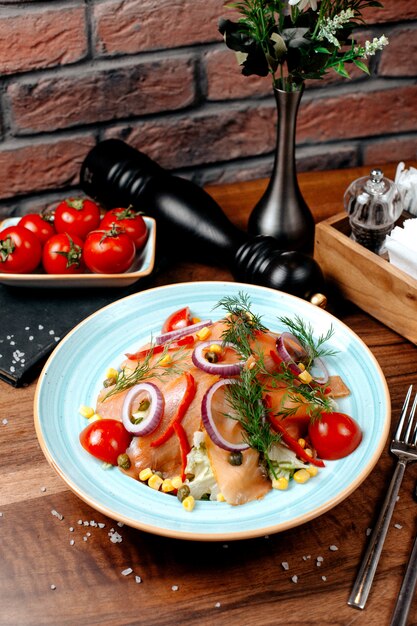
x=74, y=373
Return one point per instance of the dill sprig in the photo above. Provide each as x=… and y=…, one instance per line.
x=303, y=331
x=148, y=369
x=242, y=324
x=244, y=397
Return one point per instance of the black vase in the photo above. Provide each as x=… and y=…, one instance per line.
x=190, y=224
x=282, y=211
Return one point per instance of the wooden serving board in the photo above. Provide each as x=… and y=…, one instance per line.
x=368, y=280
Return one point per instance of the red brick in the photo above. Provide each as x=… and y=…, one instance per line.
x=225, y=80
x=31, y=38
x=36, y=166
x=370, y=113
x=399, y=57
x=128, y=26
x=99, y=95
x=392, y=11
x=403, y=148
x=202, y=139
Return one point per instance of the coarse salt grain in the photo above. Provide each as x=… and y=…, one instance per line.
x=43, y=489
x=40, y=327
x=71, y=529
x=138, y=579
x=294, y=578
x=333, y=548
x=56, y=514
x=306, y=557
x=217, y=605
x=285, y=565
x=368, y=531
x=324, y=578
x=174, y=587
x=101, y=525
x=127, y=571
x=80, y=521
x=31, y=337
x=398, y=526
x=115, y=537
x=121, y=524
x=53, y=587
x=4, y=422
x=52, y=332
x=72, y=542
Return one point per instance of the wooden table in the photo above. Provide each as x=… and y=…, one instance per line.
x=44, y=580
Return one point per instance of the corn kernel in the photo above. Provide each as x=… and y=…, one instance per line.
x=195, y=320
x=111, y=373
x=94, y=418
x=216, y=348
x=280, y=483
x=302, y=442
x=166, y=360
x=167, y=485
x=305, y=377
x=155, y=481
x=204, y=333
x=301, y=476
x=176, y=482
x=301, y=366
x=312, y=470
x=221, y=498
x=309, y=452
x=188, y=503
x=145, y=474
x=86, y=411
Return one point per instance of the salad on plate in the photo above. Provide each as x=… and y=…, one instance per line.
x=223, y=409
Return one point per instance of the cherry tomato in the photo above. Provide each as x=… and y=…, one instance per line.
x=40, y=225
x=62, y=254
x=334, y=435
x=178, y=319
x=77, y=216
x=128, y=220
x=108, y=251
x=105, y=439
x=20, y=250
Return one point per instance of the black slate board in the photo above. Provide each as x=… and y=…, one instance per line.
x=33, y=321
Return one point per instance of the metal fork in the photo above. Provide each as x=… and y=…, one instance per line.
x=404, y=446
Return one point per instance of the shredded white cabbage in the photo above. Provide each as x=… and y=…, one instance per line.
x=198, y=464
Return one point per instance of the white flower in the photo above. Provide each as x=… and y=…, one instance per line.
x=302, y=4
x=329, y=26
x=371, y=47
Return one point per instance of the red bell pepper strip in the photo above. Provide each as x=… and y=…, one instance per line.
x=184, y=446
x=183, y=342
x=286, y=437
x=182, y=408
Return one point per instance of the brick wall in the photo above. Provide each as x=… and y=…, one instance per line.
x=157, y=74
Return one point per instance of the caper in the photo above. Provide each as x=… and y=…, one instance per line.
x=183, y=492
x=205, y=496
x=235, y=458
x=144, y=405
x=123, y=461
x=109, y=382
x=211, y=357
x=136, y=420
x=158, y=473
x=190, y=476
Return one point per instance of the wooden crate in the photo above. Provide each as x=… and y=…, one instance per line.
x=371, y=282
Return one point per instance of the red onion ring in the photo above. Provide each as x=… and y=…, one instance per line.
x=291, y=351
x=181, y=332
x=156, y=409
x=319, y=364
x=221, y=369
x=208, y=421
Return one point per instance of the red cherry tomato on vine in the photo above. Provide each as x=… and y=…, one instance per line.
x=108, y=251
x=334, y=435
x=20, y=250
x=105, y=439
x=178, y=319
x=128, y=220
x=63, y=254
x=40, y=225
x=77, y=216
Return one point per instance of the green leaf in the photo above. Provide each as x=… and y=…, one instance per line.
x=362, y=66
x=340, y=69
x=322, y=50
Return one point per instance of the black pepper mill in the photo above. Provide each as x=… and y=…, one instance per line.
x=191, y=224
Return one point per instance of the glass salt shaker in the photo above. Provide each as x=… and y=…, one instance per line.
x=374, y=205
